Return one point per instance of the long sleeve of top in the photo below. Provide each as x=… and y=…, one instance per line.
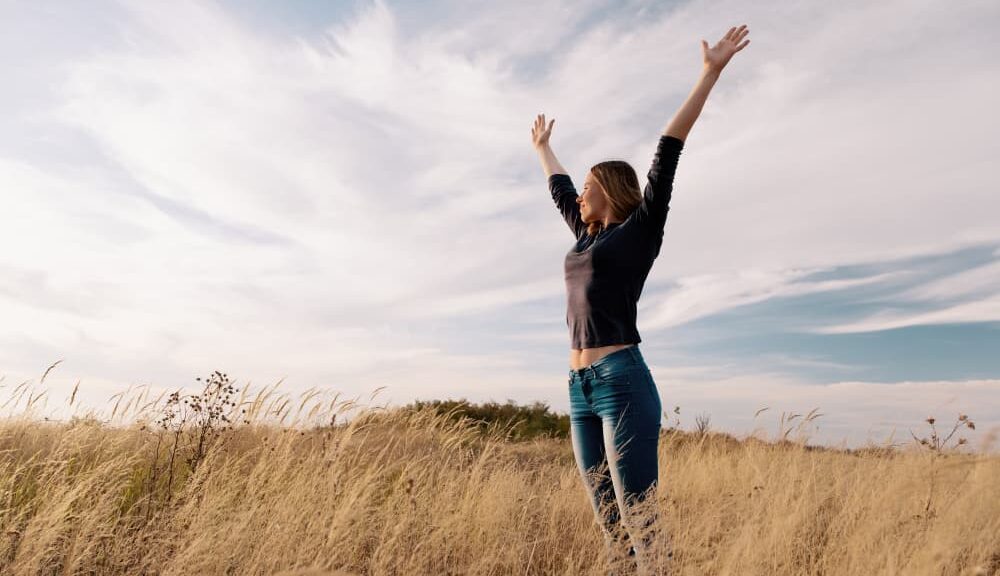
x=605, y=273
x=564, y=195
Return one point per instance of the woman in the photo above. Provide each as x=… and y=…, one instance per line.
x=614, y=404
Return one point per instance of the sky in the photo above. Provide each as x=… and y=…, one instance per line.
x=344, y=195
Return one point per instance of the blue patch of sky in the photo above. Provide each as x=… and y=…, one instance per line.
x=759, y=336
x=930, y=352
x=930, y=265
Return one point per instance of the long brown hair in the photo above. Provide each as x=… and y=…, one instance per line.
x=621, y=188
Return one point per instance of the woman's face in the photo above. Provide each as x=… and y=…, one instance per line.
x=593, y=203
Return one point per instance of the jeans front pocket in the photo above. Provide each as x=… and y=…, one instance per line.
x=612, y=392
x=614, y=377
x=615, y=372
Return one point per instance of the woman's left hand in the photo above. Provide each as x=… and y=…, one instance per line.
x=718, y=56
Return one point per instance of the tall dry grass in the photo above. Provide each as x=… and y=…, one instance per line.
x=414, y=492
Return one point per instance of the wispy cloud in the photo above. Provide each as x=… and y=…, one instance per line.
x=966, y=296
x=704, y=295
x=976, y=282
x=979, y=311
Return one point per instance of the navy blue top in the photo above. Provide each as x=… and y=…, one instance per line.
x=605, y=273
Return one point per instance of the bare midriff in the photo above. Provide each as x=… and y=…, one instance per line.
x=587, y=356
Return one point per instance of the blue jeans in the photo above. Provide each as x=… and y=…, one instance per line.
x=615, y=426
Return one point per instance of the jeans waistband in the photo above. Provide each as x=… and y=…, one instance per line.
x=630, y=355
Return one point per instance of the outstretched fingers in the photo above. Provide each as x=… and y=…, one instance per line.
x=540, y=122
x=736, y=34
x=740, y=36
x=539, y=131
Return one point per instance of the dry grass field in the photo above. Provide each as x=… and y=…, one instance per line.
x=225, y=484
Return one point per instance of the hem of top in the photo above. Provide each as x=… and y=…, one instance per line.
x=599, y=344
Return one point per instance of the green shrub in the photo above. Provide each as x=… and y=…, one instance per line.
x=524, y=422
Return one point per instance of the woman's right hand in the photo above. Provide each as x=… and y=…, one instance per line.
x=540, y=133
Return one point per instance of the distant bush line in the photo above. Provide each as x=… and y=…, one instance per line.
x=523, y=422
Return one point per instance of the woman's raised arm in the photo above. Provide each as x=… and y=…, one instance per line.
x=560, y=185
x=714, y=59
x=540, y=140
x=651, y=214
